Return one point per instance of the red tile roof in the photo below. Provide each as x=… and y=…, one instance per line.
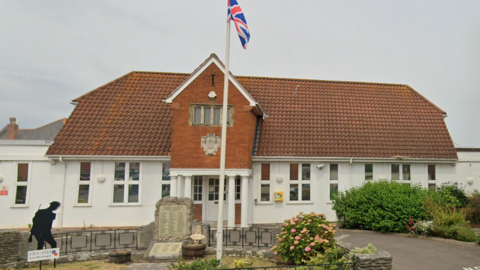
x=306, y=118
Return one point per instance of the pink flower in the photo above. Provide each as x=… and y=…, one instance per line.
x=280, y=240
x=297, y=237
x=275, y=253
x=292, y=247
x=312, y=244
x=296, y=219
x=307, y=249
x=293, y=230
x=296, y=242
x=292, y=222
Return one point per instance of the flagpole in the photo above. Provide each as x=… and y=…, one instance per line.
x=223, y=147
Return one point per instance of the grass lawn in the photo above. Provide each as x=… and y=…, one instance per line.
x=104, y=265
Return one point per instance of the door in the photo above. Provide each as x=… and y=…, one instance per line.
x=213, y=189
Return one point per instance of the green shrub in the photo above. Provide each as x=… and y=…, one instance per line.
x=332, y=255
x=303, y=237
x=369, y=249
x=380, y=206
x=452, y=194
x=440, y=230
x=242, y=263
x=474, y=215
x=198, y=264
x=445, y=214
x=477, y=239
x=461, y=232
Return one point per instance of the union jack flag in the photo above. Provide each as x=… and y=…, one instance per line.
x=235, y=14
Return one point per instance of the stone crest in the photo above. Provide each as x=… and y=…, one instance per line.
x=210, y=144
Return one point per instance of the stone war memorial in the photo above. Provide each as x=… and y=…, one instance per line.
x=172, y=228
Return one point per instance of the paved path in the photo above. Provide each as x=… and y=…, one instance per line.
x=148, y=266
x=414, y=253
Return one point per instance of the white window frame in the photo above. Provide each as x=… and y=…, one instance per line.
x=335, y=181
x=85, y=183
x=199, y=178
x=300, y=182
x=211, y=107
x=25, y=184
x=238, y=184
x=164, y=182
x=400, y=173
x=365, y=171
x=429, y=182
x=265, y=182
x=127, y=182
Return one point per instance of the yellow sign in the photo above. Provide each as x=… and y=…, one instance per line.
x=278, y=196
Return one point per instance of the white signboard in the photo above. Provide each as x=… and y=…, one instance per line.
x=43, y=255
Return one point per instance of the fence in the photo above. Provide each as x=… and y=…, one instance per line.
x=328, y=266
x=244, y=237
x=88, y=241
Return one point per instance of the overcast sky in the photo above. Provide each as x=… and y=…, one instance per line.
x=54, y=51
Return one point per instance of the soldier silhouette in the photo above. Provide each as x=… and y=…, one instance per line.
x=42, y=226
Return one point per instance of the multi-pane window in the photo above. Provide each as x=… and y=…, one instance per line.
x=22, y=183
x=368, y=171
x=84, y=182
x=265, y=183
x=238, y=187
x=300, y=183
x=197, y=188
x=209, y=115
x=333, y=188
x=333, y=171
x=165, y=180
x=401, y=172
x=431, y=173
x=126, y=187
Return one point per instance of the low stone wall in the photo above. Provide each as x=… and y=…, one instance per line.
x=378, y=260
x=14, y=246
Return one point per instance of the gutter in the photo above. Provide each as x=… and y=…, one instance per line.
x=355, y=160
x=109, y=157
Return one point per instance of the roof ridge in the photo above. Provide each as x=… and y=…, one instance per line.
x=161, y=72
x=318, y=80
x=61, y=119
x=103, y=85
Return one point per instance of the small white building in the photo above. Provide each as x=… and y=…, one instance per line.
x=290, y=144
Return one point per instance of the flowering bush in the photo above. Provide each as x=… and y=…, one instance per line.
x=420, y=228
x=304, y=236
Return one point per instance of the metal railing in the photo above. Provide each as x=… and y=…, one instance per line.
x=88, y=241
x=244, y=237
x=328, y=266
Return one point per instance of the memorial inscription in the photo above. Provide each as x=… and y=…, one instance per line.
x=172, y=221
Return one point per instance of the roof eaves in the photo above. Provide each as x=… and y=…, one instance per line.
x=426, y=99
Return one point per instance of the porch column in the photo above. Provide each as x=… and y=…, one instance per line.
x=244, y=200
x=231, y=201
x=188, y=186
x=173, y=186
x=180, y=186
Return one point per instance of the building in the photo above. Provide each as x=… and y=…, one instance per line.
x=290, y=144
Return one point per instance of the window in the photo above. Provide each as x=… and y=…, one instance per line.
x=238, y=188
x=210, y=115
x=265, y=183
x=300, y=182
x=432, y=187
x=333, y=171
x=334, y=179
x=126, y=187
x=22, y=183
x=197, y=188
x=84, y=182
x=165, y=180
x=431, y=172
x=368, y=172
x=333, y=190
x=401, y=172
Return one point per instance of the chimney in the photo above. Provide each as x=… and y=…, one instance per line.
x=12, y=129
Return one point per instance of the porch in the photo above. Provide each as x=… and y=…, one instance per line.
x=203, y=187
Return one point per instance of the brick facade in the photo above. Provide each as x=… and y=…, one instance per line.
x=198, y=212
x=186, y=150
x=238, y=213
